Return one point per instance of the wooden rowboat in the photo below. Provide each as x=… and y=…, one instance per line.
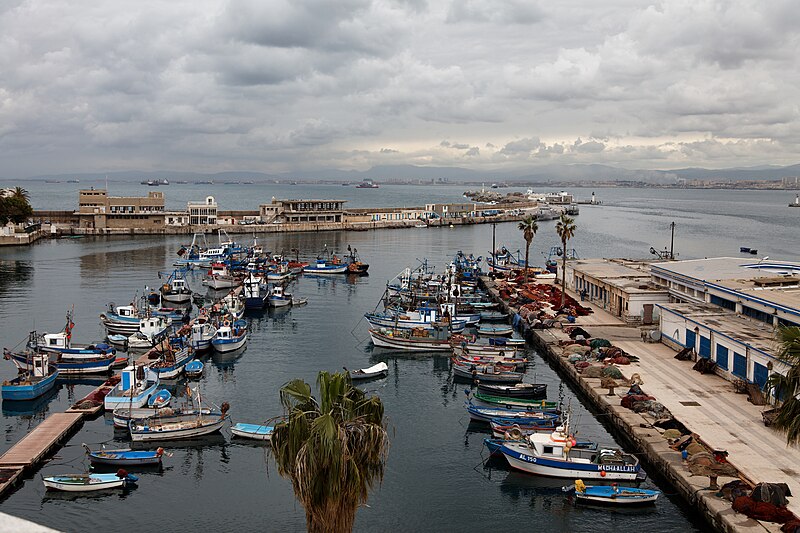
x=89, y=482
x=252, y=431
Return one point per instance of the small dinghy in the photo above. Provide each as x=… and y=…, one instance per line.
x=613, y=494
x=252, y=431
x=194, y=368
x=159, y=399
x=124, y=457
x=495, y=330
x=90, y=482
x=376, y=371
x=298, y=301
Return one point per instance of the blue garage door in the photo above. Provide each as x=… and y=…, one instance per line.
x=722, y=357
x=739, y=365
x=691, y=339
x=705, y=347
x=760, y=374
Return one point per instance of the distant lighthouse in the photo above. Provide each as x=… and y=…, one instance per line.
x=796, y=201
x=594, y=200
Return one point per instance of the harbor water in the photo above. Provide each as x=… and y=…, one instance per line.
x=435, y=479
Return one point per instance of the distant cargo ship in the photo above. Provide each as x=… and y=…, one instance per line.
x=155, y=183
x=367, y=184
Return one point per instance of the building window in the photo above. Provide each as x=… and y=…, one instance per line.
x=722, y=302
x=722, y=357
x=758, y=315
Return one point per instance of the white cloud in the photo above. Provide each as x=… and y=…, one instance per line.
x=283, y=85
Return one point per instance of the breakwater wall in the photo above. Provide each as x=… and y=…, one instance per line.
x=635, y=430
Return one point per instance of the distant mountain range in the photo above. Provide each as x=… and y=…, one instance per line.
x=541, y=174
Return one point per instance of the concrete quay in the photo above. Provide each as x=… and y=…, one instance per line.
x=706, y=404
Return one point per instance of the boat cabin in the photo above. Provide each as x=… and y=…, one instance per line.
x=40, y=365
x=252, y=287
x=56, y=340
x=218, y=269
x=127, y=311
x=277, y=291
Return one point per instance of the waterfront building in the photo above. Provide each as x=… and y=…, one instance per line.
x=176, y=218
x=203, y=213
x=98, y=210
x=451, y=210
x=385, y=214
x=727, y=309
x=302, y=211
x=619, y=286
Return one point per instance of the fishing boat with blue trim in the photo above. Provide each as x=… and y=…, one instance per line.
x=612, y=494
x=202, y=332
x=136, y=386
x=90, y=482
x=480, y=413
x=124, y=457
x=230, y=336
x=252, y=431
x=61, y=343
x=256, y=292
x=326, y=264
x=39, y=377
x=555, y=455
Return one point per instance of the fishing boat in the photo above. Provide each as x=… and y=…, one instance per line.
x=354, y=263
x=255, y=292
x=233, y=303
x=418, y=339
x=491, y=316
x=367, y=184
x=252, y=431
x=123, y=415
x=530, y=415
x=124, y=457
x=123, y=319
x=38, y=379
x=61, y=343
x=230, y=337
x=203, y=331
x=279, y=298
x=194, y=368
x=171, y=361
x=298, y=301
x=554, y=455
x=65, y=365
x=514, y=403
x=159, y=399
x=170, y=428
x=135, y=387
x=520, y=390
x=495, y=330
x=176, y=290
x=326, y=264
x=486, y=374
x=613, y=494
x=796, y=202
x=506, y=429
x=280, y=272
x=219, y=277
x=375, y=371
x=425, y=317
x=89, y=482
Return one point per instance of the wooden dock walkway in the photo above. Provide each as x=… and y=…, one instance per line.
x=44, y=437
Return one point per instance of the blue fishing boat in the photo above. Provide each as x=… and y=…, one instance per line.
x=159, y=399
x=326, y=264
x=171, y=361
x=136, y=385
x=425, y=317
x=39, y=378
x=194, y=368
x=495, y=329
x=279, y=298
x=252, y=431
x=613, y=494
x=124, y=457
x=527, y=416
x=61, y=343
x=64, y=364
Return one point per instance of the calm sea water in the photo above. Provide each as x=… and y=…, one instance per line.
x=435, y=480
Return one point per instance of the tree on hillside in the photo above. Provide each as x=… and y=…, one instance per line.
x=786, y=387
x=528, y=227
x=565, y=228
x=333, y=449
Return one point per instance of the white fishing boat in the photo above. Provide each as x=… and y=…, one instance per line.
x=203, y=331
x=176, y=290
x=134, y=389
x=174, y=428
x=413, y=340
x=219, y=277
x=230, y=337
x=89, y=482
x=279, y=298
x=123, y=415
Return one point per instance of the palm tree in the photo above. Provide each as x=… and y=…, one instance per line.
x=565, y=227
x=333, y=449
x=786, y=387
x=22, y=194
x=528, y=227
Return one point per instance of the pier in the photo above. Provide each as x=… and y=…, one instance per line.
x=705, y=404
x=42, y=442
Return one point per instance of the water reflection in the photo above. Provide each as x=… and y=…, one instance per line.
x=31, y=408
x=14, y=274
x=113, y=261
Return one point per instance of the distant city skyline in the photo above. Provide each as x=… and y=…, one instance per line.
x=490, y=86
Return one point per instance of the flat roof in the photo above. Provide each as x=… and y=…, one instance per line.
x=630, y=276
x=744, y=330
x=726, y=268
x=787, y=296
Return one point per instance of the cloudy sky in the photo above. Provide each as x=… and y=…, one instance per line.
x=273, y=86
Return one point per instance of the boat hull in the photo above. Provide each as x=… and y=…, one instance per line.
x=228, y=345
x=252, y=431
x=29, y=392
x=115, y=399
x=167, y=431
x=125, y=458
x=567, y=469
x=409, y=344
x=625, y=496
x=92, y=483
